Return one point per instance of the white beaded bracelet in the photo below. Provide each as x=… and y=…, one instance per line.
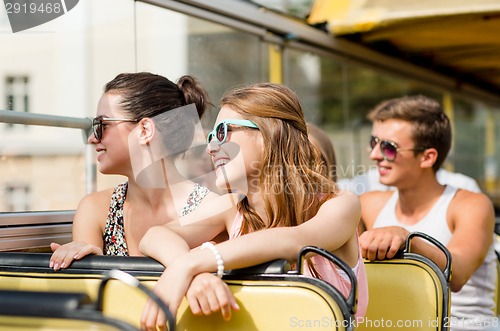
x=218, y=257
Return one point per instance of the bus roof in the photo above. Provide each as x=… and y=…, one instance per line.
x=459, y=39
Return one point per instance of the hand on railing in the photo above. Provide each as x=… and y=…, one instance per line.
x=63, y=255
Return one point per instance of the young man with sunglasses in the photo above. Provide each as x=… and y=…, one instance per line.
x=411, y=137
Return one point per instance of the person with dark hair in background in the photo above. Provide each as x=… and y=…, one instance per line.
x=139, y=116
x=320, y=140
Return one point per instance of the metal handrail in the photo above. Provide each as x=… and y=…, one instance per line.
x=84, y=124
x=24, y=218
x=15, y=117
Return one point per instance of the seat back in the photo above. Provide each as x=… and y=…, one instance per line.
x=270, y=296
x=408, y=292
x=30, y=310
x=266, y=303
x=279, y=301
x=497, y=288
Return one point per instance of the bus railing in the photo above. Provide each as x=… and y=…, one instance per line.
x=15, y=117
x=34, y=230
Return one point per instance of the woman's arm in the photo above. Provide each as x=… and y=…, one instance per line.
x=87, y=228
x=333, y=225
x=331, y=228
x=166, y=242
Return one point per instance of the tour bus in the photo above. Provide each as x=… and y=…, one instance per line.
x=340, y=57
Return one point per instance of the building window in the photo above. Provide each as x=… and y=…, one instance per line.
x=17, y=197
x=17, y=94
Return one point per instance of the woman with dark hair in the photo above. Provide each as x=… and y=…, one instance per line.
x=144, y=121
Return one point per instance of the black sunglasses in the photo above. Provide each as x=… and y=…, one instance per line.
x=99, y=122
x=389, y=149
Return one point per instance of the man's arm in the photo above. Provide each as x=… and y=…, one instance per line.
x=471, y=219
x=472, y=222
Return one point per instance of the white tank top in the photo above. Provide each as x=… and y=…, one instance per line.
x=474, y=304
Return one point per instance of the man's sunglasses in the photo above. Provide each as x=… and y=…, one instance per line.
x=220, y=130
x=99, y=122
x=389, y=149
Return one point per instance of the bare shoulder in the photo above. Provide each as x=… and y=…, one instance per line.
x=465, y=200
x=91, y=215
x=472, y=213
x=345, y=196
x=94, y=207
x=96, y=199
x=344, y=202
x=466, y=194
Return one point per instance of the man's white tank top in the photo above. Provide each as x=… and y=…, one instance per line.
x=473, y=306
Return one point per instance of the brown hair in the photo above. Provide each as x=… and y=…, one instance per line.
x=145, y=94
x=291, y=181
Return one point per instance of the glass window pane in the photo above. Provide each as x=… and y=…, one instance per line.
x=337, y=96
x=42, y=168
x=175, y=44
x=468, y=150
x=60, y=68
x=57, y=68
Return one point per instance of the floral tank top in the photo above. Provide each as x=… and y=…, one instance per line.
x=114, y=231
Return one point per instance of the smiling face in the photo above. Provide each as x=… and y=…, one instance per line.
x=112, y=150
x=406, y=166
x=237, y=160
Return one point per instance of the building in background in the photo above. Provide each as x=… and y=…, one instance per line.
x=59, y=68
